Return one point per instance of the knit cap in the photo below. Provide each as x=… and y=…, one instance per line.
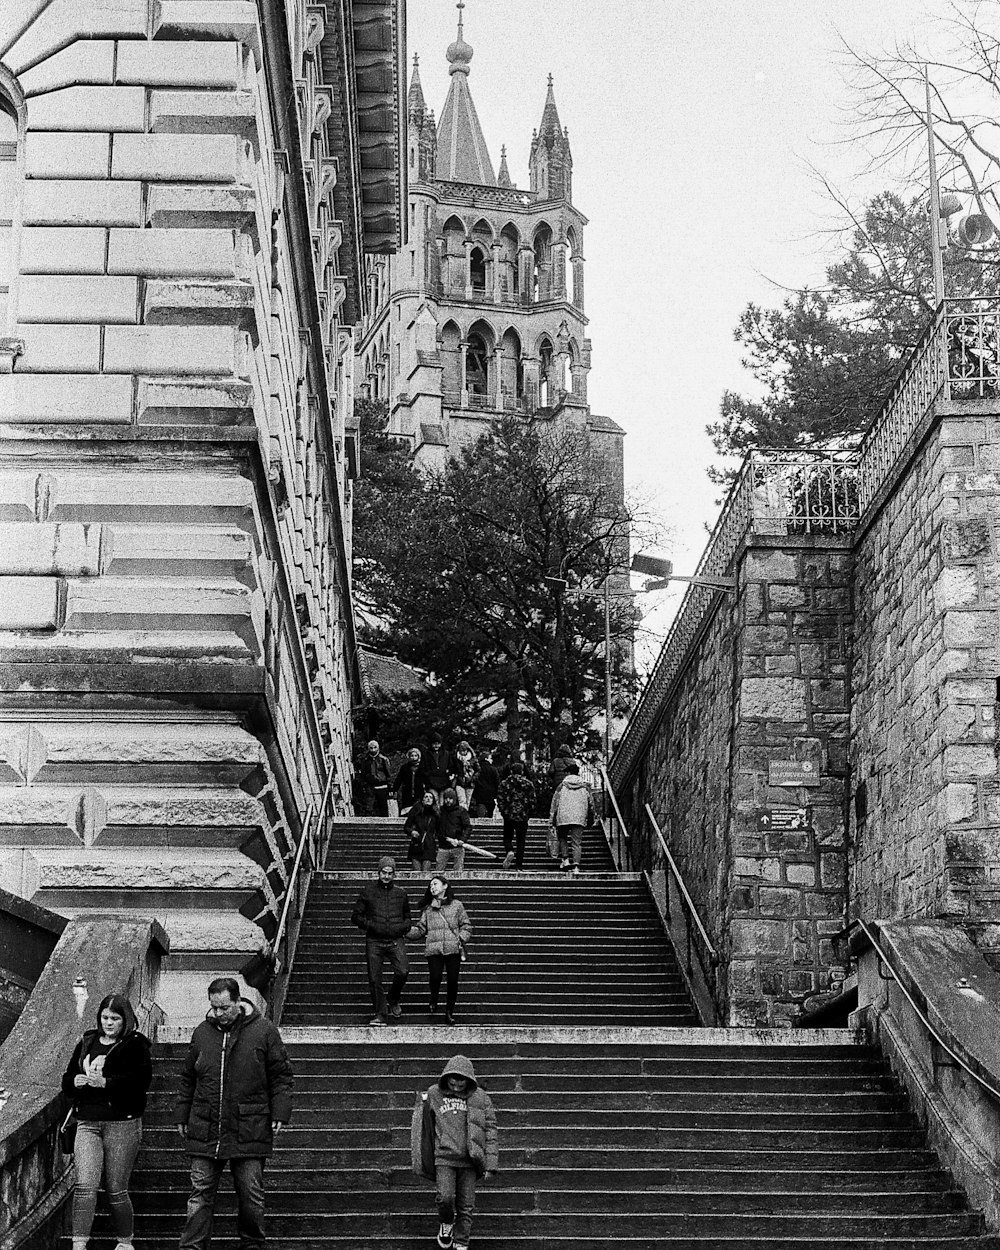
x=386, y=861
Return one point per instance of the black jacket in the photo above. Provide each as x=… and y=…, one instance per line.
x=410, y=784
x=438, y=768
x=453, y=822
x=382, y=911
x=422, y=826
x=487, y=784
x=128, y=1072
x=373, y=771
x=234, y=1084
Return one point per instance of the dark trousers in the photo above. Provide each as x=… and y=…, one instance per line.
x=377, y=801
x=515, y=831
x=437, y=965
x=456, y=1197
x=248, y=1181
x=379, y=952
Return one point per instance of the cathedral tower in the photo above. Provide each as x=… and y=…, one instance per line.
x=482, y=312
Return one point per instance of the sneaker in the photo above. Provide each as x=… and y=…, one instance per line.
x=508, y=859
x=563, y=864
x=444, y=1236
x=576, y=870
x=434, y=1009
x=395, y=1010
x=457, y=1245
x=376, y=1022
x=449, y=1018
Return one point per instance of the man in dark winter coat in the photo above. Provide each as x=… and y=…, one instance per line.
x=236, y=1094
x=437, y=766
x=382, y=910
x=484, y=792
x=373, y=774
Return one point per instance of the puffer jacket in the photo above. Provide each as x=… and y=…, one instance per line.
x=453, y=822
x=481, y=1123
x=383, y=911
x=421, y=827
x=445, y=929
x=234, y=1084
x=571, y=803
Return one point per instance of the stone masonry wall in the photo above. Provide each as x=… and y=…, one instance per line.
x=767, y=682
x=926, y=812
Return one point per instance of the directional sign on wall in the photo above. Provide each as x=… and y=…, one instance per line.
x=782, y=819
x=793, y=773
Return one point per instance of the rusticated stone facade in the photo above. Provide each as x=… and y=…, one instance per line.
x=926, y=816
x=186, y=195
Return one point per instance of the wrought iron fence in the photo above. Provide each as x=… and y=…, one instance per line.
x=972, y=328
x=781, y=492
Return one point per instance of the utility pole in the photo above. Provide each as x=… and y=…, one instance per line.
x=607, y=669
x=937, y=260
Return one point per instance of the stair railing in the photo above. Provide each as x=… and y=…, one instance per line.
x=618, y=838
x=309, y=855
x=708, y=956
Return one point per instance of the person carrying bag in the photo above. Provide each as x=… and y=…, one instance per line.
x=445, y=926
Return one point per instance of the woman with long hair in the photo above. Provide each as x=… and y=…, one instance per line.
x=446, y=929
x=106, y=1080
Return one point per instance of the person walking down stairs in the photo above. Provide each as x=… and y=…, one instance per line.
x=421, y=826
x=454, y=828
x=382, y=911
x=453, y=1141
x=572, y=810
x=446, y=929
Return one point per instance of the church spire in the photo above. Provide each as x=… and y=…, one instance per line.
x=551, y=163
x=462, y=151
x=416, y=105
x=503, y=175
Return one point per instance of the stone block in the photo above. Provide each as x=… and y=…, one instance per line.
x=60, y=21
x=966, y=539
x=129, y=604
x=770, y=566
x=180, y=64
x=77, y=202
x=44, y=549
x=780, y=665
x=60, y=349
x=957, y=586
x=970, y=761
x=195, y=402
x=54, y=154
x=112, y=109
x=824, y=904
x=780, y=902
x=759, y=937
x=33, y=398
x=971, y=629
x=780, y=597
x=800, y=874
x=763, y=868
x=827, y=694
x=773, y=698
x=832, y=870
x=210, y=19
x=200, y=206
x=62, y=249
x=195, y=302
x=31, y=603
x=179, y=158
x=86, y=61
x=175, y=350
x=73, y=299
x=167, y=253
x=203, y=112
x=766, y=639
x=17, y=495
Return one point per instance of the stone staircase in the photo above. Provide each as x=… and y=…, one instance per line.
x=620, y=1124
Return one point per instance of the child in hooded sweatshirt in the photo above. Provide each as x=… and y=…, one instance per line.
x=453, y=1141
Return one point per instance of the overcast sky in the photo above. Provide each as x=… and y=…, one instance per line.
x=693, y=129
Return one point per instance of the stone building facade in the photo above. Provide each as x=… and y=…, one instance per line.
x=481, y=312
x=820, y=743
x=187, y=193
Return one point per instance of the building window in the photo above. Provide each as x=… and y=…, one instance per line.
x=10, y=185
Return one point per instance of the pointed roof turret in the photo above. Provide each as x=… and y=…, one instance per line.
x=462, y=151
x=503, y=177
x=550, y=126
x=415, y=103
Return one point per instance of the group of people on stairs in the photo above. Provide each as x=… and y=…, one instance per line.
x=235, y=1098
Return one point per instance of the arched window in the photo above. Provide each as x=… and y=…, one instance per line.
x=543, y=263
x=477, y=368
x=546, y=371
x=477, y=267
x=10, y=185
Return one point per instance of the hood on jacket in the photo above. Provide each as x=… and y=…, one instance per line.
x=459, y=1066
x=248, y=1012
x=574, y=782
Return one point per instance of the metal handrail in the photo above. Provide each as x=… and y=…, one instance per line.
x=922, y=1017
x=292, y=884
x=713, y=954
x=623, y=830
